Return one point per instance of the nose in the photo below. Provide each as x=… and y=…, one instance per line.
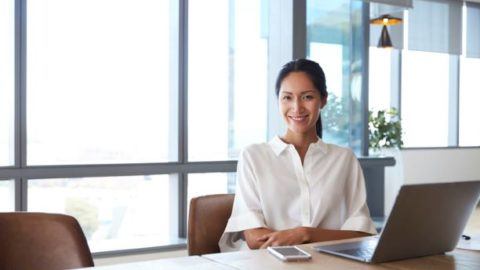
x=297, y=105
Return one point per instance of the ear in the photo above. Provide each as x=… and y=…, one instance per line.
x=323, y=101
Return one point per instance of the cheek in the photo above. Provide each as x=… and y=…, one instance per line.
x=282, y=108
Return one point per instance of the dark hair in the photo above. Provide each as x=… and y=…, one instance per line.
x=314, y=72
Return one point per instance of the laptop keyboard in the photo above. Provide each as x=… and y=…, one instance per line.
x=359, y=252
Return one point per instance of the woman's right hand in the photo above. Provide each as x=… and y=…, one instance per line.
x=252, y=236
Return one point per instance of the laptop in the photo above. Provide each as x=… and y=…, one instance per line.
x=426, y=219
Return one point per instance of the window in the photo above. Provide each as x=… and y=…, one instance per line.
x=379, y=89
x=469, y=128
x=201, y=184
x=100, y=91
x=109, y=130
x=425, y=93
x=227, y=77
x=7, y=195
x=7, y=65
x=338, y=50
x=114, y=212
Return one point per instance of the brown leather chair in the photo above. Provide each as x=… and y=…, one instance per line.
x=207, y=220
x=42, y=241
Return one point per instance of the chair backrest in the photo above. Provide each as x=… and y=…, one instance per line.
x=42, y=241
x=207, y=220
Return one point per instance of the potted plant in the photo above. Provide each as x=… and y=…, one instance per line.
x=385, y=139
x=385, y=130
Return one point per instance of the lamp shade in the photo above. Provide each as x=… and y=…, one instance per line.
x=386, y=20
x=384, y=41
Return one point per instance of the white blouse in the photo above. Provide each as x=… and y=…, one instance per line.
x=276, y=191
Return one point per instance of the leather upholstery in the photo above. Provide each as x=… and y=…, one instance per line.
x=42, y=241
x=207, y=220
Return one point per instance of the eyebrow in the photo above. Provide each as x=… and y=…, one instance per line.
x=304, y=92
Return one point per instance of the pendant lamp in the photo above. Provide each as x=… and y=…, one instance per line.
x=385, y=20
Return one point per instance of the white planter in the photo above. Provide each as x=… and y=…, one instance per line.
x=394, y=176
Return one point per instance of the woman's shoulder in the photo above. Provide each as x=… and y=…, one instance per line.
x=337, y=150
x=255, y=149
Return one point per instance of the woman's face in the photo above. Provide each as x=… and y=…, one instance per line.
x=300, y=103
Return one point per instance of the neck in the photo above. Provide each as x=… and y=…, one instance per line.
x=300, y=140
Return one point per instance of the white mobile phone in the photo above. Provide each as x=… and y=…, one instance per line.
x=289, y=253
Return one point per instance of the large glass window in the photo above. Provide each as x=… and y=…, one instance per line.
x=333, y=41
x=7, y=66
x=425, y=91
x=7, y=195
x=379, y=79
x=227, y=77
x=469, y=133
x=201, y=184
x=114, y=212
x=99, y=90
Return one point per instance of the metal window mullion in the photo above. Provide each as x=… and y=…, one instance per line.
x=21, y=80
x=183, y=115
x=182, y=205
x=20, y=103
x=77, y=171
x=453, y=100
x=365, y=77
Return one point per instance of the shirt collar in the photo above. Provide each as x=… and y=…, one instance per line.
x=278, y=146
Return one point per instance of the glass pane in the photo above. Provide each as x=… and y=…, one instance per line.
x=7, y=77
x=100, y=90
x=115, y=212
x=425, y=82
x=469, y=97
x=379, y=79
x=200, y=184
x=227, y=77
x=7, y=195
x=334, y=40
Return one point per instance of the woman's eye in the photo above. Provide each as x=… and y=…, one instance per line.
x=308, y=97
x=286, y=97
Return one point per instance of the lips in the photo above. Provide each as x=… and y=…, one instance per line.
x=298, y=118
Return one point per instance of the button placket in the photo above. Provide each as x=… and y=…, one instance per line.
x=304, y=189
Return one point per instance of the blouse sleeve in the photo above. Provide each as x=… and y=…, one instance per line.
x=247, y=209
x=358, y=218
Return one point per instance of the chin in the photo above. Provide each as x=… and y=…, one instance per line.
x=299, y=130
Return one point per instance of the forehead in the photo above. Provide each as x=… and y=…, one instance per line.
x=296, y=83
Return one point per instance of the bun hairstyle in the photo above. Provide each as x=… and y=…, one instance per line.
x=314, y=72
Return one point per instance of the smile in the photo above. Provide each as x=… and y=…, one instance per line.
x=298, y=118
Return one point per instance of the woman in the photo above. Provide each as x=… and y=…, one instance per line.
x=297, y=189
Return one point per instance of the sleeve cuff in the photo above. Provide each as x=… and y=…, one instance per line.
x=359, y=223
x=248, y=220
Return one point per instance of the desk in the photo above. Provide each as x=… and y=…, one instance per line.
x=261, y=259
x=180, y=263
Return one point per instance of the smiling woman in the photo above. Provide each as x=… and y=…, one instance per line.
x=297, y=189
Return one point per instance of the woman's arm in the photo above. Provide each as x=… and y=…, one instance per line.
x=252, y=237
x=302, y=235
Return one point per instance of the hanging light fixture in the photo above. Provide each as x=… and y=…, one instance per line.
x=385, y=20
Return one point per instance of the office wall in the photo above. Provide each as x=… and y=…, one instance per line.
x=441, y=165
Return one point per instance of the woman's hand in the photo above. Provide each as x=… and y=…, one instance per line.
x=252, y=236
x=302, y=235
x=296, y=236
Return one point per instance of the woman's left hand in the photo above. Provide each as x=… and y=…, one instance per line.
x=296, y=236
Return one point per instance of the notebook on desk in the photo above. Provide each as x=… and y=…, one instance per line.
x=426, y=219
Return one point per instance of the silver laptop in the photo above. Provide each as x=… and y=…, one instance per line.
x=426, y=219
